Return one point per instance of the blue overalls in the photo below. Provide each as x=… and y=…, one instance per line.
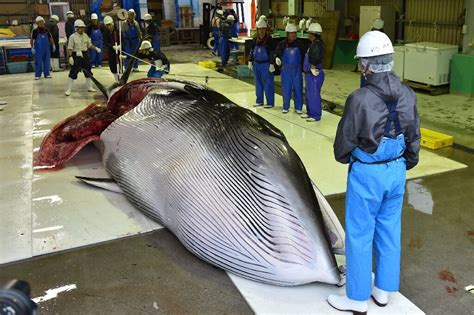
x=234, y=32
x=291, y=78
x=224, y=49
x=42, y=54
x=313, y=88
x=154, y=73
x=375, y=188
x=215, y=32
x=131, y=43
x=97, y=41
x=264, y=79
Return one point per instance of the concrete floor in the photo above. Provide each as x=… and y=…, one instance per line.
x=152, y=272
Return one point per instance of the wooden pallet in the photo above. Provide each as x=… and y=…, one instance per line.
x=431, y=89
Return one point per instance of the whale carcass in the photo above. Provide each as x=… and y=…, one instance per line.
x=218, y=176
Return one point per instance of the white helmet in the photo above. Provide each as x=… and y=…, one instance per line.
x=94, y=16
x=147, y=17
x=262, y=18
x=230, y=17
x=79, y=23
x=38, y=19
x=145, y=45
x=108, y=20
x=315, y=28
x=290, y=28
x=220, y=12
x=54, y=17
x=261, y=24
x=70, y=14
x=131, y=11
x=378, y=24
x=374, y=43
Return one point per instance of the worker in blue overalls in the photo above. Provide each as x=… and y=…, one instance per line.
x=152, y=32
x=95, y=31
x=379, y=137
x=377, y=25
x=160, y=64
x=234, y=31
x=224, y=37
x=41, y=43
x=133, y=37
x=215, y=30
x=314, y=74
x=259, y=61
x=289, y=54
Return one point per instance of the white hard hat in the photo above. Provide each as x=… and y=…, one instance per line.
x=39, y=18
x=79, y=23
x=145, y=45
x=315, y=28
x=220, y=12
x=94, y=16
x=230, y=17
x=70, y=13
x=290, y=28
x=374, y=43
x=262, y=18
x=54, y=17
x=108, y=20
x=131, y=11
x=261, y=24
x=378, y=24
x=147, y=17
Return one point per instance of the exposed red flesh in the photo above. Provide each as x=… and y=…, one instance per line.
x=70, y=135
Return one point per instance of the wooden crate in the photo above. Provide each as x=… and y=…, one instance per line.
x=435, y=140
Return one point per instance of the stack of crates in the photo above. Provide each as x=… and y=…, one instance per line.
x=19, y=60
x=3, y=69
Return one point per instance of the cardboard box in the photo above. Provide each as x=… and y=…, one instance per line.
x=41, y=9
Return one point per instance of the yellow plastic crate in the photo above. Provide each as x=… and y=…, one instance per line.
x=207, y=64
x=435, y=140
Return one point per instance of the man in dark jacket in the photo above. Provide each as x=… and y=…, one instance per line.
x=111, y=42
x=260, y=57
x=70, y=24
x=379, y=137
x=53, y=29
x=289, y=54
x=152, y=32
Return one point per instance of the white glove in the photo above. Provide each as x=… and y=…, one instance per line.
x=271, y=68
x=116, y=47
x=54, y=48
x=98, y=50
x=314, y=71
x=211, y=35
x=278, y=61
x=250, y=65
x=33, y=51
x=123, y=56
x=71, y=61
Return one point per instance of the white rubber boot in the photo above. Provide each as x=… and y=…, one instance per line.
x=70, y=83
x=380, y=297
x=56, y=64
x=116, y=77
x=90, y=88
x=343, y=303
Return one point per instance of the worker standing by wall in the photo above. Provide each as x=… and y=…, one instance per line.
x=379, y=136
x=133, y=36
x=289, y=54
x=224, y=37
x=259, y=61
x=53, y=29
x=78, y=56
x=111, y=41
x=152, y=32
x=95, y=31
x=314, y=74
x=41, y=43
x=69, y=27
x=215, y=30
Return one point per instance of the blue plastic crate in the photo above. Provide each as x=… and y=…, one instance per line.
x=19, y=52
x=243, y=71
x=17, y=67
